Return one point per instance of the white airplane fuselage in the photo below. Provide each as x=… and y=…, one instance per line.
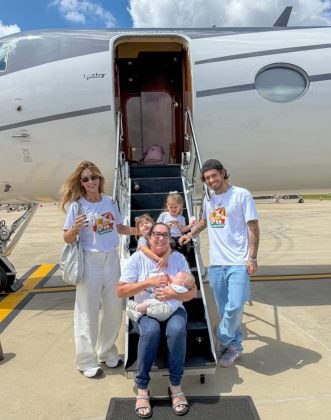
x=60, y=91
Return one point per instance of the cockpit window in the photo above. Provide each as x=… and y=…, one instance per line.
x=3, y=56
x=281, y=82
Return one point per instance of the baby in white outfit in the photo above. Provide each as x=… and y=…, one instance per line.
x=181, y=283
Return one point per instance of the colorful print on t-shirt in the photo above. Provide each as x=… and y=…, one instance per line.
x=218, y=217
x=103, y=223
x=173, y=224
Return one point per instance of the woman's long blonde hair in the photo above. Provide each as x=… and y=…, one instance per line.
x=72, y=188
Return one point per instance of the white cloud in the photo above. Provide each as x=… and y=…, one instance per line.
x=206, y=13
x=84, y=11
x=8, y=29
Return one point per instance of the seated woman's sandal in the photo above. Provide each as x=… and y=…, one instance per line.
x=174, y=395
x=145, y=404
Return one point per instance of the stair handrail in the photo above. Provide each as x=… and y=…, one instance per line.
x=125, y=211
x=119, y=172
x=121, y=189
x=191, y=168
x=188, y=120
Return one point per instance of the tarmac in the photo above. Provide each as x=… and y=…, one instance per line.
x=286, y=363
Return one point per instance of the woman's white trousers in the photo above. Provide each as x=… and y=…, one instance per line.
x=98, y=310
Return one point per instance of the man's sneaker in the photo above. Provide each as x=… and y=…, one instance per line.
x=114, y=362
x=230, y=356
x=92, y=372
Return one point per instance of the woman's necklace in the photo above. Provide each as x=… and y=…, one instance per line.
x=93, y=200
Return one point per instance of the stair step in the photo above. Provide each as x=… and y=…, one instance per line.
x=197, y=325
x=195, y=310
x=154, y=171
x=146, y=201
x=153, y=185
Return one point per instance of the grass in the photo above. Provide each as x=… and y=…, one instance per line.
x=317, y=196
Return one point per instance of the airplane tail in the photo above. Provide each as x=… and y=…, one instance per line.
x=283, y=19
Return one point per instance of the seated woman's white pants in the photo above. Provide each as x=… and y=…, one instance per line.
x=98, y=310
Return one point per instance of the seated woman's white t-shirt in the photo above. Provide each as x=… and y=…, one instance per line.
x=138, y=267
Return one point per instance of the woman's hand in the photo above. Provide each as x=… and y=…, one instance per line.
x=164, y=293
x=167, y=293
x=80, y=221
x=158, y=281
x=70, y=235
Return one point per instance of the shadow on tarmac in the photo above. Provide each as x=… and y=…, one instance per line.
x=7, y=358
x=276, y=356
x=305, y=292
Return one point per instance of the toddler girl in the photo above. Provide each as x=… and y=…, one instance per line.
x=172, y=216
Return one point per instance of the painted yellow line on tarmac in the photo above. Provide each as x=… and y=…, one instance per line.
x=54, y=289
x=37, y=276
x=10, y=302
x=293, y=277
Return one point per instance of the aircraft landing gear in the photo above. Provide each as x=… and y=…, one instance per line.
x=8, y=239
x=3, y=279
x=1, y=353
x=8, y=280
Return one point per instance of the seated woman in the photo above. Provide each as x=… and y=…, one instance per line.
x=134, y=281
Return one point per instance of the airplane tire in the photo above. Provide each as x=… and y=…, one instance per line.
x=3, y=279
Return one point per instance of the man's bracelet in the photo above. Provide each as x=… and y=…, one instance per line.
x=253, y=259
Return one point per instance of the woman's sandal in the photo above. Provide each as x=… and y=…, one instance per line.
x=172, y=396
x=145, y=404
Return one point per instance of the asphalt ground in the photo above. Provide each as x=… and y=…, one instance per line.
x=285, y=367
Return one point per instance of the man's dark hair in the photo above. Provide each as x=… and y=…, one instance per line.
x=213, y=164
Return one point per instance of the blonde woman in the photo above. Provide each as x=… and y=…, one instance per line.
x=98, y=310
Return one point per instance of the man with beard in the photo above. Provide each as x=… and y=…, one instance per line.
x=233, y=230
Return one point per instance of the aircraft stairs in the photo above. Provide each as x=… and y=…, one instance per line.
x=149, y=186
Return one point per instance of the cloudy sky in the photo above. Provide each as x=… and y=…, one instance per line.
x=22, y=15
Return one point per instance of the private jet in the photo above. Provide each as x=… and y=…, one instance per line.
x=256, y=98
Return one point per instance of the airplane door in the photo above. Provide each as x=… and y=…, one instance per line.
x=151, y=103
x=150, y=119
x=157, y=120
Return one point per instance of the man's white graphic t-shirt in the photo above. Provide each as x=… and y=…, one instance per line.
x=227, y=215
x=100, y=234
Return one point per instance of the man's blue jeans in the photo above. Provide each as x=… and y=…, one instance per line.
x=149, y=330
x=230, y=286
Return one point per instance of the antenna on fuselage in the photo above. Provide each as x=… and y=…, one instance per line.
x=283, y=19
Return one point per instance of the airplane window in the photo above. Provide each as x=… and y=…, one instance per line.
x=3, y=56
x=281, y=83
